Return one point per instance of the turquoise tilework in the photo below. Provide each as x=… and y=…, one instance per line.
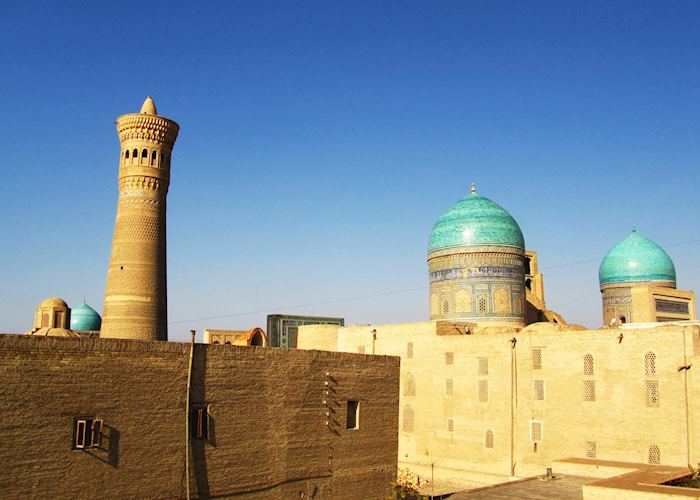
x=636, y=258
x=84, y=317
x=475, y=221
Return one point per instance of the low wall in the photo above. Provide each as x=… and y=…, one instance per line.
x=269, y=435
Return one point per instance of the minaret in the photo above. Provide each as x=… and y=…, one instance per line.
x=136, y=302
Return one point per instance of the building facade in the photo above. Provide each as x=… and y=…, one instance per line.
x=282, y=329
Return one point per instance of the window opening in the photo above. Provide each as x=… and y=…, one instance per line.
x=449, y=386
x=483, y=391
x=649, y=363
x=589, y=390
x=87, y=433
x=538, y=390
x=483, y=366
x=482, y=304
x=588, y=366
x=537, y=359
x=409, y=350
x=449, y=358
x=450, y=425
x=409, y=388
x=408, y=419
x=591, y=449
x=353, y=415
x=200, y=422
x=652, y=392
x=488, y=439
x=654, y=455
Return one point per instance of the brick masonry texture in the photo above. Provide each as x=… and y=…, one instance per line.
x=268, y=434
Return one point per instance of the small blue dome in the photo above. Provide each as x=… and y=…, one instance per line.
x=85, y=317
x=476, y=221
x=636, y=258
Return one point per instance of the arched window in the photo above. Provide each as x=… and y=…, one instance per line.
x=588, y=364
x=488, y=439
x=482, y=304
x=126, y=155
x=654, y=455
x=144, y=153
x=408, y=418
x=649, y=363
x=228, y=342
x=409, y=387
x=135, y=154
x=153, y=158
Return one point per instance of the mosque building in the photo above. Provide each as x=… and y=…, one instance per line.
x=496, y=386
x=53, y=318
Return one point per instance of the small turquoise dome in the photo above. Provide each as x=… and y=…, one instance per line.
x=85, y=317
x=636, y=258
x=476, y=221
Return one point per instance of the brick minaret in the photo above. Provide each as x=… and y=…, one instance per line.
x=136, y=302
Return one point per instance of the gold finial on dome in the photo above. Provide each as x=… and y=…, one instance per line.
x=473, y=188
x=149, y=107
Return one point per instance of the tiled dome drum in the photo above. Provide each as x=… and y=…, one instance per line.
x=476, y=264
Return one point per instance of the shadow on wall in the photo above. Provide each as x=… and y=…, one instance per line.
x=111, y=436
x=201, y=425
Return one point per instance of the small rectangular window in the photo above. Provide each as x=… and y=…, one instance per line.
x=483, y=391
x=537, y=359
x=449, y=358
x=353, y=415
x=591, y=449
x=589, y=390
x=409, y=350
x=200, y=422
x=483, y=366
x=87, y=433
x=449, y=386
x=535, y=431
x=450, y=425
x=538, y=390
x=652, y=390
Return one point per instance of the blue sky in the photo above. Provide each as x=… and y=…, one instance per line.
x=320, y=141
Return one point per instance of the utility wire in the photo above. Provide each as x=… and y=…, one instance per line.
x=396, y=292
x=279, y=308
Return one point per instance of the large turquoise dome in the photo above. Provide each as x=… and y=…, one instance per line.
x=636, y=258
x=85, y=317
x=476, y=221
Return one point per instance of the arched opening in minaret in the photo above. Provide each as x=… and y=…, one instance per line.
x=153, y=158
x=135, y=155
x=126, y=155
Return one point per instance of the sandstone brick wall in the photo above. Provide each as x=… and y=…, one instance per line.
x=268, y=437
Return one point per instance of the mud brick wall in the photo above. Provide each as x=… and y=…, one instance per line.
x=278, y=420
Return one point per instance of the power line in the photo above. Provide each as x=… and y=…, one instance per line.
x=396, y=292
x=299, y=306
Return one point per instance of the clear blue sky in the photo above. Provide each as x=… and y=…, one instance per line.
x=321, y=140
